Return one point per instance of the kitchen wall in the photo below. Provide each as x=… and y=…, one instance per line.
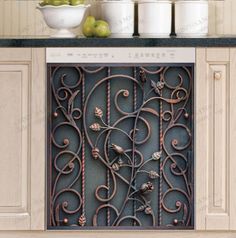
x=20, y=18
x=222, y=17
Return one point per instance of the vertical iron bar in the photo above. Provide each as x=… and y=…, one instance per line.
x=161, y=147
x=82, y=223
x=134, y=108
x=108, y=123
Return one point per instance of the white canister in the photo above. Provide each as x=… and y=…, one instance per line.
x=154, y=18
x=120, y=16
x=191, y=18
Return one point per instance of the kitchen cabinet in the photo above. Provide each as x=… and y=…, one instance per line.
x=154, y=99
x=22, y=138
x=215, y=139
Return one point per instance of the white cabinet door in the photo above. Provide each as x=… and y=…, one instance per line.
x=22, y=139
x=215, y=139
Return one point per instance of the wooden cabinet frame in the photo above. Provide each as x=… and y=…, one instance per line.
x=22, y=75
x=215, y=139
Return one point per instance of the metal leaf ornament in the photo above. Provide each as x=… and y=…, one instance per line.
x=118, y=149
x=153, y=174
x=95, y=127
x=157, y=86
x=156, y=155
x=82, y=220
x=98, y=112
x=95, y=152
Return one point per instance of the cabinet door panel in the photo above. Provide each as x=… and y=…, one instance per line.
x=218, y=160
x=14, y=141
x=215, y=139
x=22, y=139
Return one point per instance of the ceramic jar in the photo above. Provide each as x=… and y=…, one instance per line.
x=154, y=18
x=120, y=16
x=191, y=18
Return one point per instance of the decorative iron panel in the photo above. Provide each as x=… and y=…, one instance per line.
x=120, y=146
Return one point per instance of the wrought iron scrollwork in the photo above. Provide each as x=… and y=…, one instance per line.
x=120, y=146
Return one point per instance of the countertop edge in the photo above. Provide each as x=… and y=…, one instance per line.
x=119, y=42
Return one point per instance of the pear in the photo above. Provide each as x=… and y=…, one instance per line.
x=101, y=29
x=97, y=28
x=88, y=26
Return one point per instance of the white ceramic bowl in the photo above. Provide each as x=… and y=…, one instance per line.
x=62, y=18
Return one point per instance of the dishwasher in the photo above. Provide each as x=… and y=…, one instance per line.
x=120, y=142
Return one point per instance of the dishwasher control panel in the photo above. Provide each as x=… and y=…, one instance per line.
x=120, y=55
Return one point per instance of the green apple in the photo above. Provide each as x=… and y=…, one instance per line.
x=101, y=29
x=76, y=2
x=88, y=26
